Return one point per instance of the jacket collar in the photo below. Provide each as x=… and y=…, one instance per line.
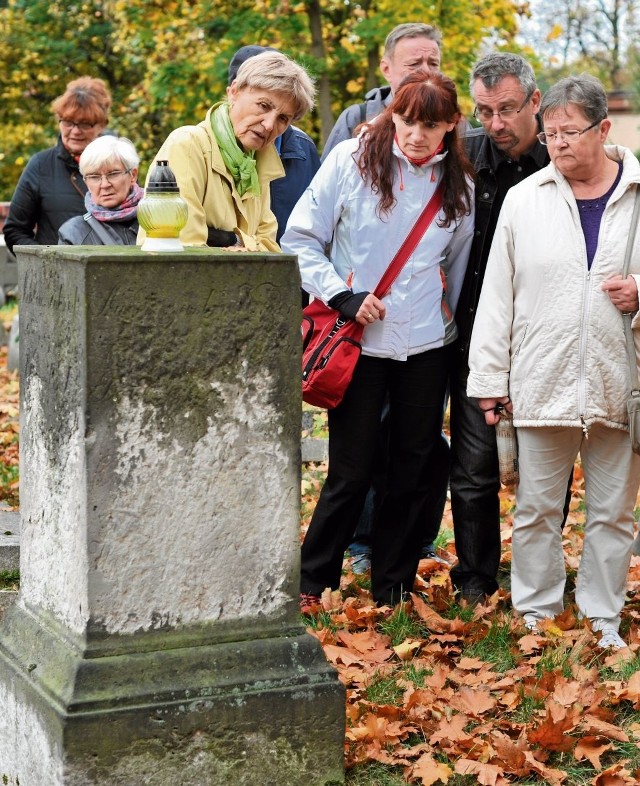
x=63, y=154
x=290, y=144
x=382, y=94
x=630, y=168
x=268, y=161
x=488, y=156
x=402, y=156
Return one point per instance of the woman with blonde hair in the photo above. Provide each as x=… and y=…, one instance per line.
x=224, y=165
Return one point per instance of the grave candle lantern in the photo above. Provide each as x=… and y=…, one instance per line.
x=162, y=213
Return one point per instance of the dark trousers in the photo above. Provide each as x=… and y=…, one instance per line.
x=474, y=483
x=362, y=537
x=415, y=389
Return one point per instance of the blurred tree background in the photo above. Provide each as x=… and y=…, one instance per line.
x=166, y=60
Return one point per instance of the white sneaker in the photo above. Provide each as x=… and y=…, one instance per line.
x=530, y=621
x=611, y=639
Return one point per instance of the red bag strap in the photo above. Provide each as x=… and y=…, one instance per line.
x=411, y=241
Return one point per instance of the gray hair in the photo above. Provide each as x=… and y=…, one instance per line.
x=411, y=30
x=493, y=68
x=584, y=91
x=277, y=72
x=108, y=148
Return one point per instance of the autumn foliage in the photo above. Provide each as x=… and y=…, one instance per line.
x=166, y=62
x=9, y=429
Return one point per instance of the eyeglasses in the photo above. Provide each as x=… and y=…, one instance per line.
x=487, y=115
x=94, y=180
x=546, y=137
x=68, y=124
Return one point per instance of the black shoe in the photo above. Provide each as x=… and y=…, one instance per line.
x=473, y=598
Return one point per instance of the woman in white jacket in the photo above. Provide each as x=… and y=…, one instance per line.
x=345, y=229
x=549, y=335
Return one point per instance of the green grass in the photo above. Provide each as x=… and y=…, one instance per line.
x=9, y=474
x=495, y=647
x=578, y=773
x=456, y=611
x=623, y=670
x=384, y=689
x=9, y=579
x=527, y=708
x=626, y=750
x=416, y=676
x=401, y=626
x=443, y=538
x=556, y=659
x=320, y=621
x=374, y=775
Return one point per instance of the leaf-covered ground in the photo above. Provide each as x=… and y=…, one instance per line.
x=9, y=426
x=443, y=694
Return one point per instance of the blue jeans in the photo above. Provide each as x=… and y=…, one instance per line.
x=415, y=389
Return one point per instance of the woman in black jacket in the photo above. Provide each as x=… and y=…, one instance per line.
x=50, y=189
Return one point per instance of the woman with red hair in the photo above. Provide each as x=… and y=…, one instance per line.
x=346, y=228
x=51, y=189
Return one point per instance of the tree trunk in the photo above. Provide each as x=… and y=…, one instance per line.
x=318, y=51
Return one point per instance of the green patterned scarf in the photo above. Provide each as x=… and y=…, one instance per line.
x=241, y=165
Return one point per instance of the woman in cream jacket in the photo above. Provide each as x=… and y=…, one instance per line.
x=549, y=344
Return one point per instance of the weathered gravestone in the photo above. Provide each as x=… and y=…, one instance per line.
x=156, y=637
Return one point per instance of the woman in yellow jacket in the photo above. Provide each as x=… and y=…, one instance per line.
x=224, y=165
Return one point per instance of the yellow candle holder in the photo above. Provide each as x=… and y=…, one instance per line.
x=162, y=213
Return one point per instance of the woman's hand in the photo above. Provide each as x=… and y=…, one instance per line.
x=370, y=310
x=623, y=292
x=492, y=407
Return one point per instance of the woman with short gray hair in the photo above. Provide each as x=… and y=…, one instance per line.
x=109, y=167
x=225, y=164
x=549, y=345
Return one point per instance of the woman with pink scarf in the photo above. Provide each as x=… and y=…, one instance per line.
x=109, y=167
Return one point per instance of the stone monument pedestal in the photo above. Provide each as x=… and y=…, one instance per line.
x=156, y=637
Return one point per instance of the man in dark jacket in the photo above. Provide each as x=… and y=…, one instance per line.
x=504, y=151
x=297, y=152
x=407, y=48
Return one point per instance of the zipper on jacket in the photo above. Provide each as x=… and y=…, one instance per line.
x=585, y=428
x=582, y=378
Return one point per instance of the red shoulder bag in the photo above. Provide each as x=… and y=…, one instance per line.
x=331, y=342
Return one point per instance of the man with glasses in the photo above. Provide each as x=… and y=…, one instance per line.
x=504, y=151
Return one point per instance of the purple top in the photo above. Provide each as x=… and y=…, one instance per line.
x=591, y=211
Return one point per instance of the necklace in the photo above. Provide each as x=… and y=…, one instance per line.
x=590, y=204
